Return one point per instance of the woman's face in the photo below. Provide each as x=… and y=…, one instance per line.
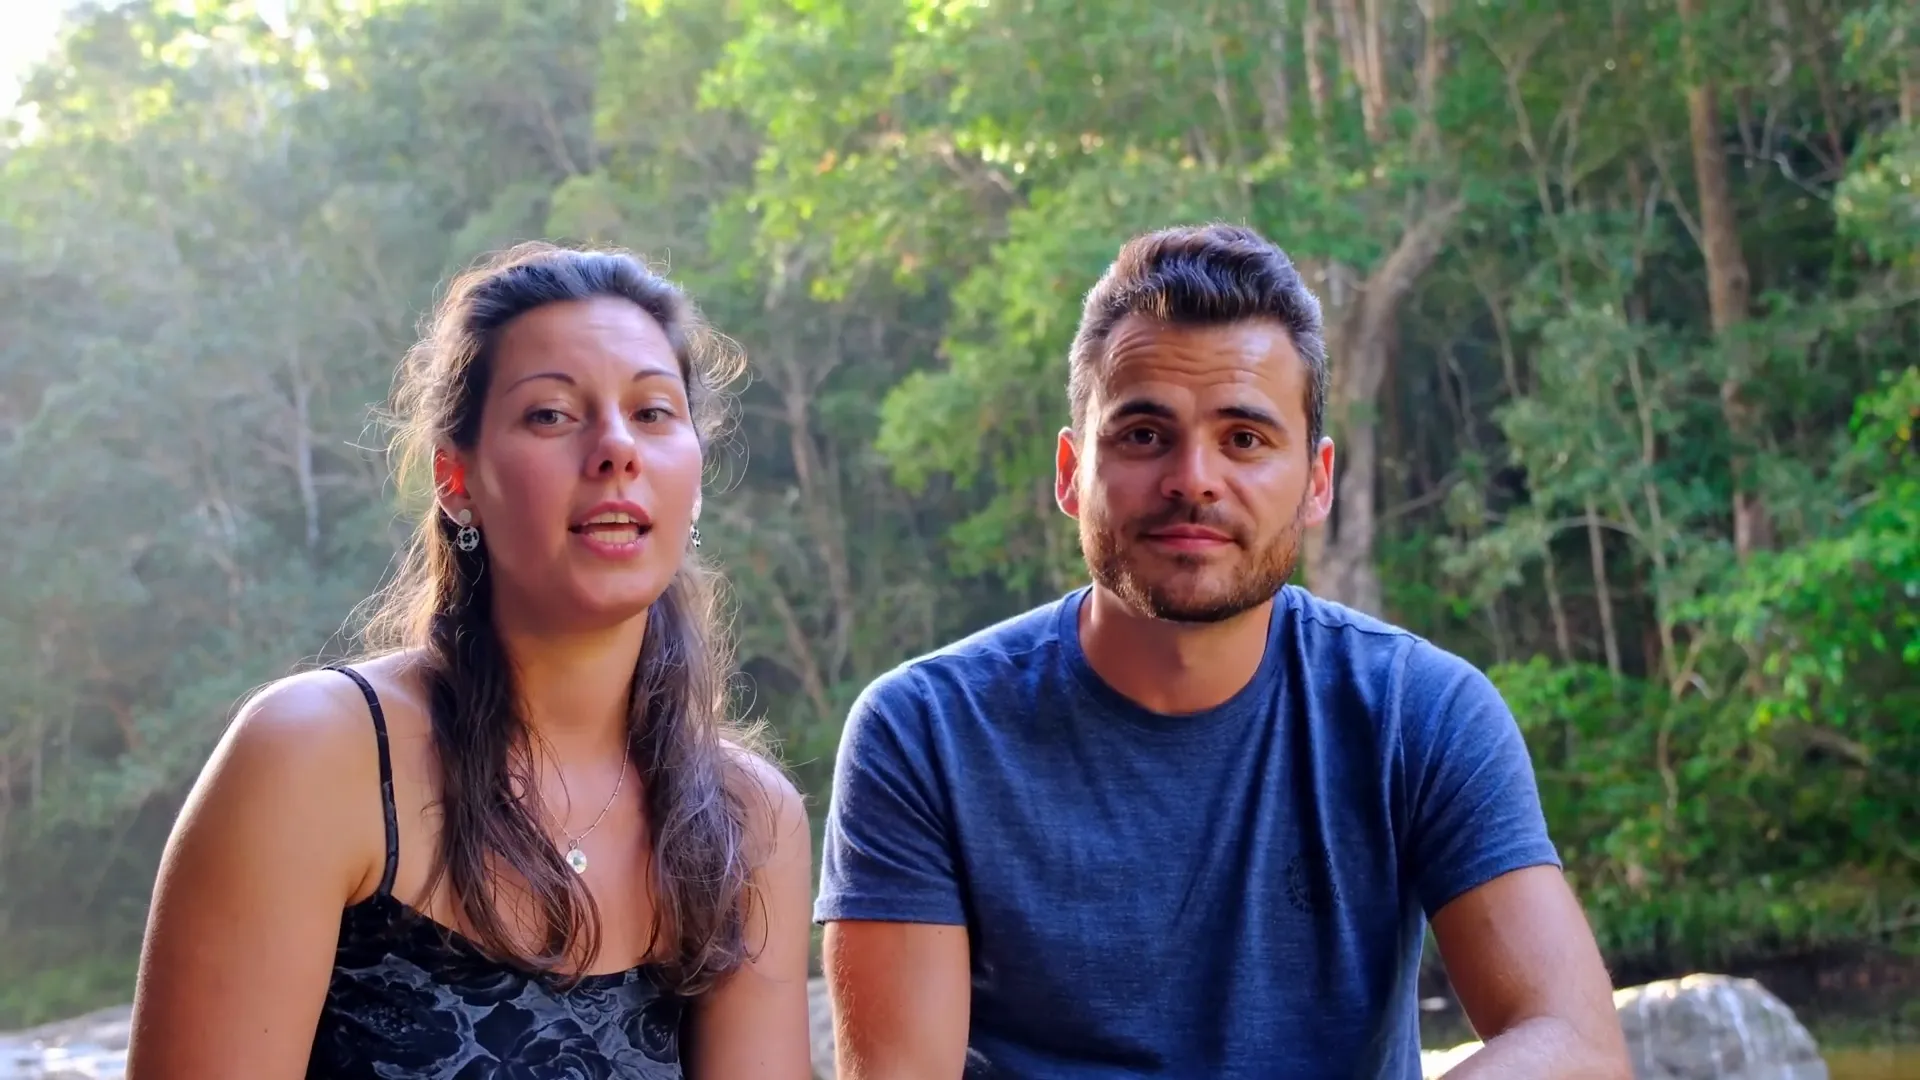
x=585, y=477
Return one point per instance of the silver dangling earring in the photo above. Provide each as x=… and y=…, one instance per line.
x=468, y=537
x=695, y=536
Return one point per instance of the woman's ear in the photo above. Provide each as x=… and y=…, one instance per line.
x=450, y=484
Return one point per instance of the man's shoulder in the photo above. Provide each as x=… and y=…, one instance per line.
x=995, y=660
x=1329, y=623
x=1386, y=659
x=1334, y=637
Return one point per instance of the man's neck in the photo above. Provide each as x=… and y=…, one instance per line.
x=1168, y=667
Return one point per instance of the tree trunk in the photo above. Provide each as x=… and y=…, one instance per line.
x=1433, y=52
x=1729, y=287
x=1275, y=96
x=1602, y=591
x=1311, y=27
x=1375, y=90
x=1909, y=96
x=303, y=470
x=798, y=380
x=1556, y=607
x=805, y=664
x=1356, y=26
x=820, y=495
x=1340, y=556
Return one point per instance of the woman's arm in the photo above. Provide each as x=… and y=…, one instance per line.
x=753, y=1025
x=271, y=845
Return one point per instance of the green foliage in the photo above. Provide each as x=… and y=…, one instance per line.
x=1879, y=202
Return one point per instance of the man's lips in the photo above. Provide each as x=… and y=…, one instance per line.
x=1189, y=537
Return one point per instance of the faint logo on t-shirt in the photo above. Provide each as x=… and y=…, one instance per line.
x=1310, y=883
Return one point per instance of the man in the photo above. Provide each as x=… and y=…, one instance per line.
x=1192, y=821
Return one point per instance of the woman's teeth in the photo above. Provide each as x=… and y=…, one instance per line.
x=612, y=528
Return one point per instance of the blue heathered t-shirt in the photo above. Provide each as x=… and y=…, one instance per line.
x=1240, y=892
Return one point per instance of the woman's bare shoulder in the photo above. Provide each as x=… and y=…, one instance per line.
x=304, y=746
x=281, y=831
x=321, y=717
x=300, y=763
x=775, y=811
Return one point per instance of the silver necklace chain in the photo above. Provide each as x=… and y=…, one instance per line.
x=576, y=858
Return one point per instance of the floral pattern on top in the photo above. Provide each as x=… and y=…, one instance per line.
x=412, y=1000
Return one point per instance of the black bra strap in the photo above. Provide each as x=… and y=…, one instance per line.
x=386, y=776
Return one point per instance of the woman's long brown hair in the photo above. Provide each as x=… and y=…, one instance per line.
x=439, y=604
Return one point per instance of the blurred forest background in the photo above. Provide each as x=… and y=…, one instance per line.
x=1623, y=307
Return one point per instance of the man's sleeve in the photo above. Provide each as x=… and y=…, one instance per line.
x=1474, y=806
x=887, y=855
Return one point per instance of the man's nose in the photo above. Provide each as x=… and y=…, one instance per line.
x=1192, y=475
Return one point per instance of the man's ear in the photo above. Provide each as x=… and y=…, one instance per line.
x=1066, y=473
x=450, y=484
x=1320, y=483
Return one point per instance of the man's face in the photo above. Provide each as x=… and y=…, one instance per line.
x=1192, y=480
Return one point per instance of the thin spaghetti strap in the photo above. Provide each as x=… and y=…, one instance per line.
x=386, y=777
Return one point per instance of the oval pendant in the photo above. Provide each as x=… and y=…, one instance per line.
x=577, y=859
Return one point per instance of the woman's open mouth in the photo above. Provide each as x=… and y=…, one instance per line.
x=613, y=533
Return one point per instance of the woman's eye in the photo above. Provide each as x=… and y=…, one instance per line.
x=545, y=417
x=652, y=414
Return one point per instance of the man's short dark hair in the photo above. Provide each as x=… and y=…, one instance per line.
x=1201, y=275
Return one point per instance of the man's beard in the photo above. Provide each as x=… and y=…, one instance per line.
x=1116, y=569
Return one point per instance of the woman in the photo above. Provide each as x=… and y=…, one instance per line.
x=518, y=840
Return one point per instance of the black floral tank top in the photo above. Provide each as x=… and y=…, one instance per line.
x=411, y=998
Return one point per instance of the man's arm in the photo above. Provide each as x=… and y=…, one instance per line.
x=896, y=951
x=1515, y=942
x=1524, y=963
x=901, y=998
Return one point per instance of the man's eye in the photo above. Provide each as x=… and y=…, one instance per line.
x=1245, y=440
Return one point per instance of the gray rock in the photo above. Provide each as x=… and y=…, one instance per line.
x=1703, y=1026
x=1699, y=1027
